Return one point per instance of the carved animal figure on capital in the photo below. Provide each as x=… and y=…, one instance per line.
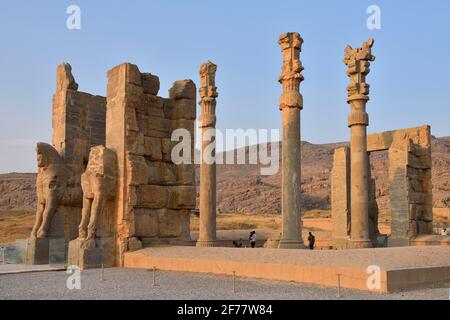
x=51, y=184
x=98, y=183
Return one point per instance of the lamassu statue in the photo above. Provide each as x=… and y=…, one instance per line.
x=51, y=185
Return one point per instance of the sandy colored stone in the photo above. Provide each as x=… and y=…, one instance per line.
x=291, y=102
x=181, y=197
x=150, y=83
x=358, y=60
x=183, y=89
x=340, y=197
x=51, y=184
x=207, y=122
x=99, y=185
x=64, y=78
x=151, y=196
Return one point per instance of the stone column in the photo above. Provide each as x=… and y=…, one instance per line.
x=207, y=123
x=291, y=102
x=358, y=62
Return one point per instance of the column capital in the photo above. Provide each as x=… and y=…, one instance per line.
x=358, y=62
x=208, y=95
x=290, y=78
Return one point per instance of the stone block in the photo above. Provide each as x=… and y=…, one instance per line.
x=180, y=109
x=135, y=142
x=152, y=106
x=152, y=148
x=162, y=173
x=182, y=197
x=173, y=223
x=137, y=170
x=151, y=196
x=183, y=89
x=88, y=254
x=38, y=251
x=167, y=146
x=183, y=124
x=154, y=126
x=150, y=83
x=134, y=244
x=146, y=223
x=185, y=174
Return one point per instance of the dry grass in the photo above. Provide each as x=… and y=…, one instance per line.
x=15, y=225
x=241, y=221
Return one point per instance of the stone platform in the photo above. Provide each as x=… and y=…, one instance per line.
x=401, y=268
x=22, y=268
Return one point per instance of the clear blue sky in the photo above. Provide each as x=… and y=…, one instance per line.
x=409, y=80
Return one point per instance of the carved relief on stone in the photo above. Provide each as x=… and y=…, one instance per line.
x=208, y=94
x=51, y=184
x=358, y=62
x=291, y=45
x=98, y=183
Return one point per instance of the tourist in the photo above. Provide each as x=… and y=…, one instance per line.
x=253, y=239
x=444, y=232
x=237, y=244
x=311, y=240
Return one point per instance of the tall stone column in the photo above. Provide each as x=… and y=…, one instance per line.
x=358, y=62
x=291, y=102
x=207, y=124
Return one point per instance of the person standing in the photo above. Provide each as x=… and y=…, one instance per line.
x=312, y=241
x=253, y=239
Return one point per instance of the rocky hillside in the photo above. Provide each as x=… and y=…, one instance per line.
x=242, y=189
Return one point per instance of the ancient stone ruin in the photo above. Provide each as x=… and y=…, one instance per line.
x=353, y=199
x=207, y=123
x=291, y=102
x=108, y=183
x=357, y=61
x=410, y=194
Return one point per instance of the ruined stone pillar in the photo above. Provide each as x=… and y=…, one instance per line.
x=207, y=123
x=291, y=102
x=358, y=64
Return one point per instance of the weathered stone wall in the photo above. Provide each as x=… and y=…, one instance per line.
x=410, y=186
x=78, y=121
x=155, y=196
x=340, y=197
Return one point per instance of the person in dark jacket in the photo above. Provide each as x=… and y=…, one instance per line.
x=252, y=239
x=312, y=241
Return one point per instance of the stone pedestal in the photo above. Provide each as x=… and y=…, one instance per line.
x=291, y=102
x=38, y=251
x=207, y=123
x=88, y=254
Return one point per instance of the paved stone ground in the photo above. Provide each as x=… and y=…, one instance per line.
x=137, y=284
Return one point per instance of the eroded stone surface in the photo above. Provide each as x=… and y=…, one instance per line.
x=207, y=123
x=291, y=102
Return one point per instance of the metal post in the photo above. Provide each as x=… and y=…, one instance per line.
x=154, y=276
x=339, y=285
x=103, y=273
x=3, y=255
x=234, y=281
